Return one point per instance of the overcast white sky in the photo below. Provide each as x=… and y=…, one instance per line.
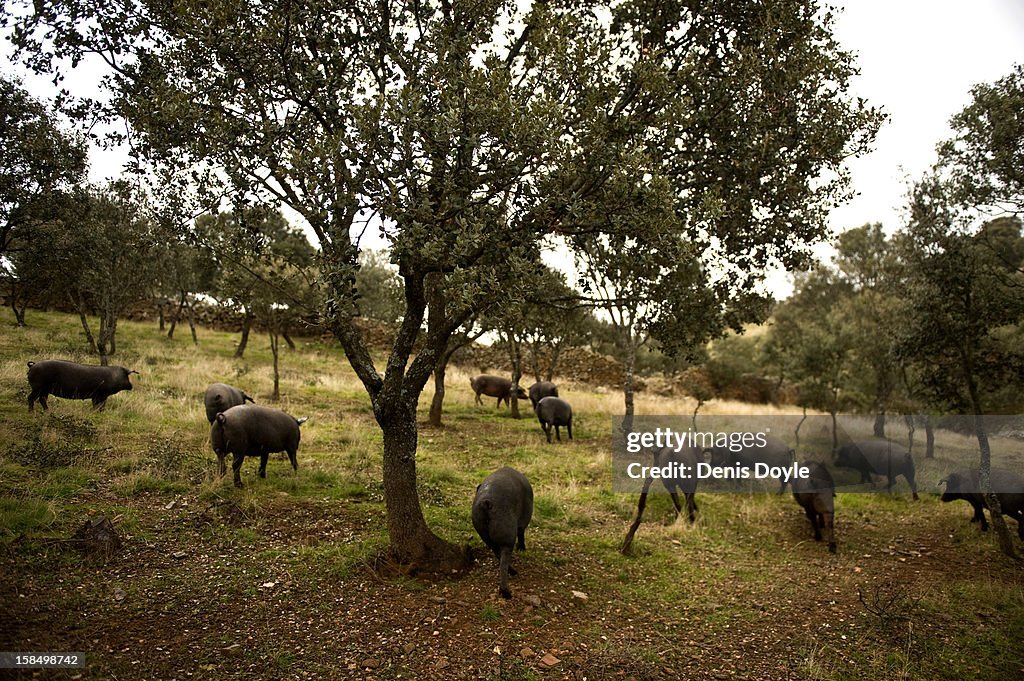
x=918, y=60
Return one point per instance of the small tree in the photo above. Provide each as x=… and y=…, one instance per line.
x=283, y=293
x=37, y=158
x=184, y=270
x=555, y=318
x=40, y=164
x=101, y=258
x=963, y=290
x=810, y=341
x=655, y=287
x=869, y=312
x=262, y=266
x=983, y=158
x=542, y=319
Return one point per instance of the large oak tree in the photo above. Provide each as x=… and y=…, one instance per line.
x=467, y=134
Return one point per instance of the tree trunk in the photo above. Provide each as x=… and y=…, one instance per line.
x=879, y=428
x=79, y=304
x=17, y=294
x=929, y=437
x=437, y=402
x=911, y=429
x=628, y=368
x=246, y=326
x=535, y=360
x=112, y=326
x=274, y=342
x=394, y=397
x=192, y=323
x=627, y=543
x=160, y=312
x=102, y=339
x=436, y=318
x=516, y=357
x=19, y=314
x=985, y=467
x=835, y=432
x=177, y=316
x=797, y=431
x=413, y=544
x=287, y=339
x=556, y=351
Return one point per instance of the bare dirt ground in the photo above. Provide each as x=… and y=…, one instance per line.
x=186, y=599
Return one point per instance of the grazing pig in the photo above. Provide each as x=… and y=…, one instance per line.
x=815, y=494
x=554, y=411
x=252, y=430
x=1009, y=488
x=774, y=453
x=881, y=457
x=495, y=386
x=502, y=509
x=221, y=397
x=539, y=391
x=75, y=381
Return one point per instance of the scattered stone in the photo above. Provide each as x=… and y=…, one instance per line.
x=580, y=595
x=370, y=663
x=268, y=585
x=532, y=599
x=97, y=539
x=549, y=661
x=233, y=650
x=408, y=647
x=170, y=505
x=178, y=555
x=118, y=595
x=527, y=653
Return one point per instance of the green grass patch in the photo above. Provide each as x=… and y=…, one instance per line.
x=19, y=515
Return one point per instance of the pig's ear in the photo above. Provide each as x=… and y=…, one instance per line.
x=221, y=418
x=944, y=481
x=133, y=371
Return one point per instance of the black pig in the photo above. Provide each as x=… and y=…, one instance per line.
x=252, y=430
x=881, y=457
x=539, y=391
x=815, y=494
x=495, y=386
x=1008, y=486
x=502, y=510
x=221, y=397
x=75, y=381
x=554, y=411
